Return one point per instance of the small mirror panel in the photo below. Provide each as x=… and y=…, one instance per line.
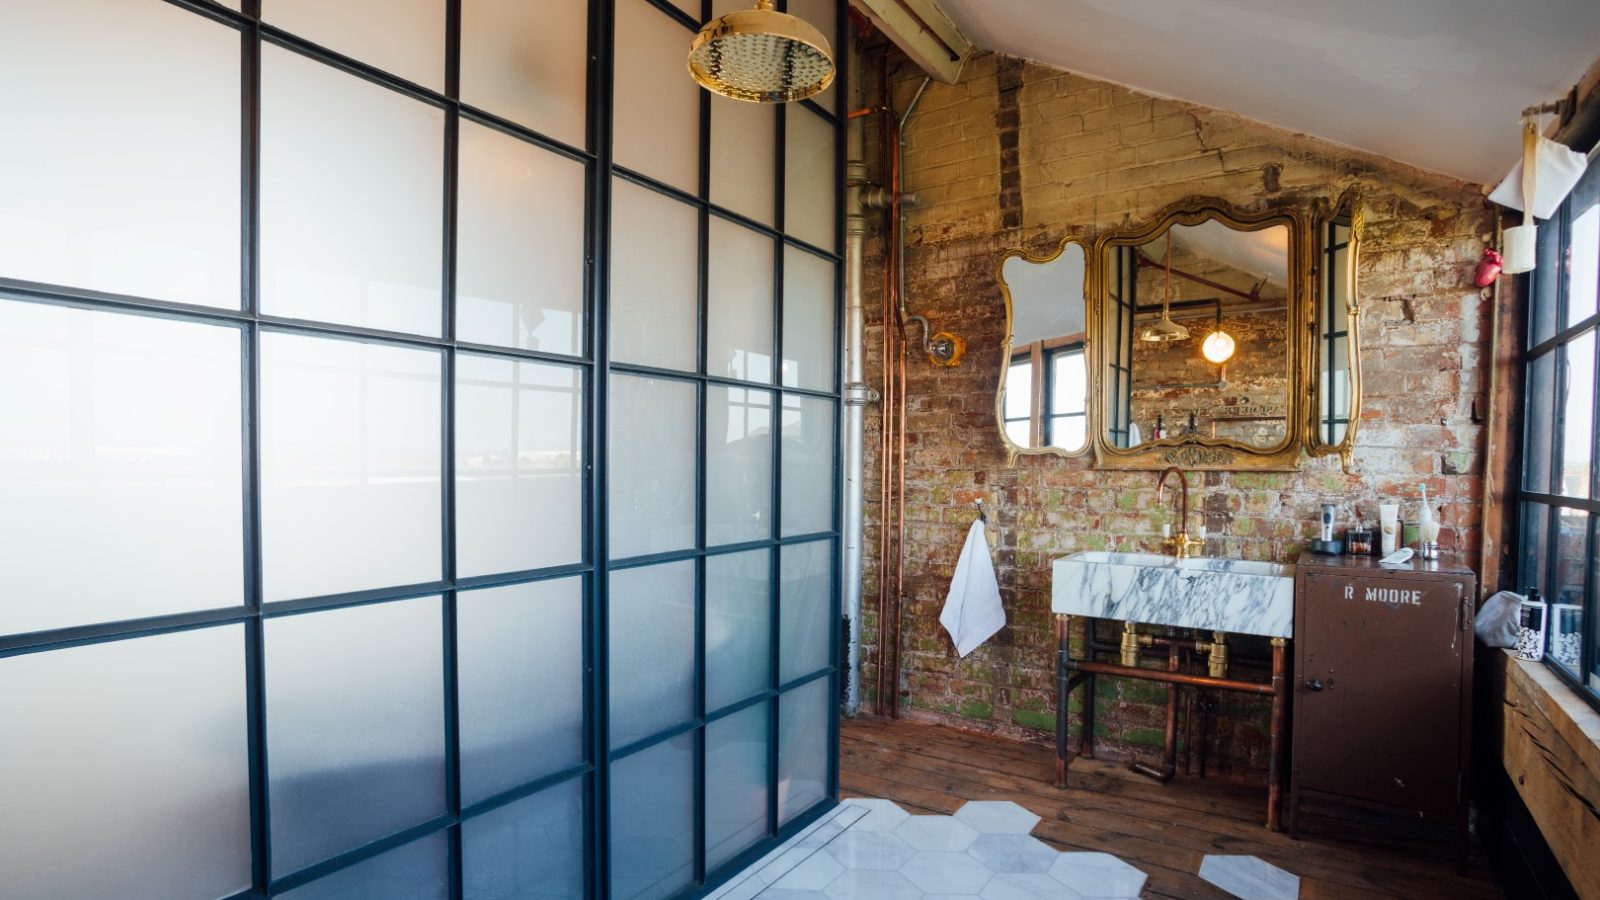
x=1336, y=353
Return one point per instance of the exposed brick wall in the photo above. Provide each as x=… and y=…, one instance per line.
x=1019, y=154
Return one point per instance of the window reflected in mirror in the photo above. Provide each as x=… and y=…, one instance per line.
x=1333, y=332
x=1044, y=401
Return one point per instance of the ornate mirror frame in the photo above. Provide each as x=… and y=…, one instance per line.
x=1348, y=211
x=1091, y=414
x=1194, y=451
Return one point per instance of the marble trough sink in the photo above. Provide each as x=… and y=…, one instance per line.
x=1238, y=596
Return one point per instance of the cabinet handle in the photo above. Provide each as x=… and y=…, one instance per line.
x=1314, y=684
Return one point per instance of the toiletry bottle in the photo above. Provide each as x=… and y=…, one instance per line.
x=1161, y=427
x=1530, y=632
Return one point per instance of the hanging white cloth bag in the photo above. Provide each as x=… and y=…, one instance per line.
x=972, y=610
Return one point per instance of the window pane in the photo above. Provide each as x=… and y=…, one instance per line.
x=1566, y=595
x=739, y=299
x=808, y=452
x=652, y=650
x=738, y=465
x=806, y=603
x=1577, y=415
x=652, y=815
x=808, y=329
x=1583, y=265
x=350, y=460
x=822, y=14
x=519, y=465
x=1535, y=562
x=654, y=279
x=803, y=741
x=95, y=194
x=1068, y=432
x=1020, y=432
x=1019, y=395
x=656, y=113
x=128, y=768
x=738, y=626
x=351, y=199
x=414, y=871
x=355, y=715
x=652, y=466
x=520, y=664
x=808, y=179
x=122, y=467
x=1540, y=373
x=532, y=848
x=736, y=786
x=527, y=61
x=402, y=37
x=1069, y=390
x=744, y=153
x=519, y=250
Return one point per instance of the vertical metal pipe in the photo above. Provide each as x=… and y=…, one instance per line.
x=856, y=393
x=1280, y=711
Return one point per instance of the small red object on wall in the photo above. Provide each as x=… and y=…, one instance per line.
x=1488, y=268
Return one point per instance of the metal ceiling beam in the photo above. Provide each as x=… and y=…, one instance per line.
x=923, y=31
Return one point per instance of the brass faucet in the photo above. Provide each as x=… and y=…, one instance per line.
x=1182, y=545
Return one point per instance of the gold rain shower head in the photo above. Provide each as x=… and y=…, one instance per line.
x=761, y=55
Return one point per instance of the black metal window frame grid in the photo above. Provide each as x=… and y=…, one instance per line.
x=1045, y=406
x=594, y=367
x=1125, y=300
x=1329, y=419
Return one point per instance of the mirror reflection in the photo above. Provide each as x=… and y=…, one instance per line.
x=1044, y=399
x=1333, y=329
x=1196, y=325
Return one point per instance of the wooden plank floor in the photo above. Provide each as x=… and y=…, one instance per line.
x=1162, y=829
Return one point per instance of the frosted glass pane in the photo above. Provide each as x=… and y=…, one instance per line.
x=402, y=37
x=739, y=302
x=120, y=467
x=808, y=329
x=804, y=715
x=822, y=14
x=652, y=650
x=738, y=465
x=519, y=465
x=652, y=815
x=654, y=278
x=532, y=848
x=414, y=871
x=805, y=598
x=656, y=106
x=744, y=153
x=738, y=626
x=652, y=466
x=355, y=727
x=736, y=783
x=351, y=199
x=520, y=665
x=808, y=454
x=810, y=184
x=519, y=247
x=152, y=211
x=350, y=461
x=126, y=769
x=527, y=61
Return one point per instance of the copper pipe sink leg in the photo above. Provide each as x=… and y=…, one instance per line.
x=1280, y=704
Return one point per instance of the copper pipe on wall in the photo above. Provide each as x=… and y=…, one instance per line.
x=1226, y=684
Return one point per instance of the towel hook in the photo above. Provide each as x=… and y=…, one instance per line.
x=979, y=504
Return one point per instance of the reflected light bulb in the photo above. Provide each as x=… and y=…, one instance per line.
x=1218, y=346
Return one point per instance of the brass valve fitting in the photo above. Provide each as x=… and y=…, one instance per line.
x=1130, y=644
x=1218, y=654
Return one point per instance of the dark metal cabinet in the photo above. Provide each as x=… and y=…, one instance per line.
x=1382, y=697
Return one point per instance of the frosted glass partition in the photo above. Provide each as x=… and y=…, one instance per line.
x=744, y=150
x=153, y=212
x=809, y=209
x=652, y=821
x=739, y=303
x=519, y=244
x=530, y=848
x=350, y=465
x=738, y=626
x=414, y=871
x=738, y=465
x=127, y=769
x=823, y=15
x=519, y=465
x=808, y=322
x=527, y=61
x=656, y=105
x=355, y=726
x=804, y=738
x=651, y=650
x=808, y=456
x=805, y=602
x=654, y=278
x=736, y=783
x=652, y=466
x=519, y=659
x=123, y=465
x=409, y=44
x=352, y=197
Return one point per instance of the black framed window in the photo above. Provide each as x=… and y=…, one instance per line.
x=1117, y=332
x=1046, y=396
x=1334, y=332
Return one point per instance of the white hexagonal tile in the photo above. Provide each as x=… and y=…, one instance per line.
x=1032, y=886
x=862, y=885
x=882, y=815
x=952, y=873
x=940, y=833
x=997, y=817
x=1250, y=878
x=1013, y=853
x=869, y=850
x=1098, y=875
x=784, y=894
x=812, y=874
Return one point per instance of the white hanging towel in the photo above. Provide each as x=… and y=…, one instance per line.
x=1558, y=169
x=972, y=611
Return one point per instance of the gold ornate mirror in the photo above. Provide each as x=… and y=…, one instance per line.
x=1336, y=351
x=1043, y=400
